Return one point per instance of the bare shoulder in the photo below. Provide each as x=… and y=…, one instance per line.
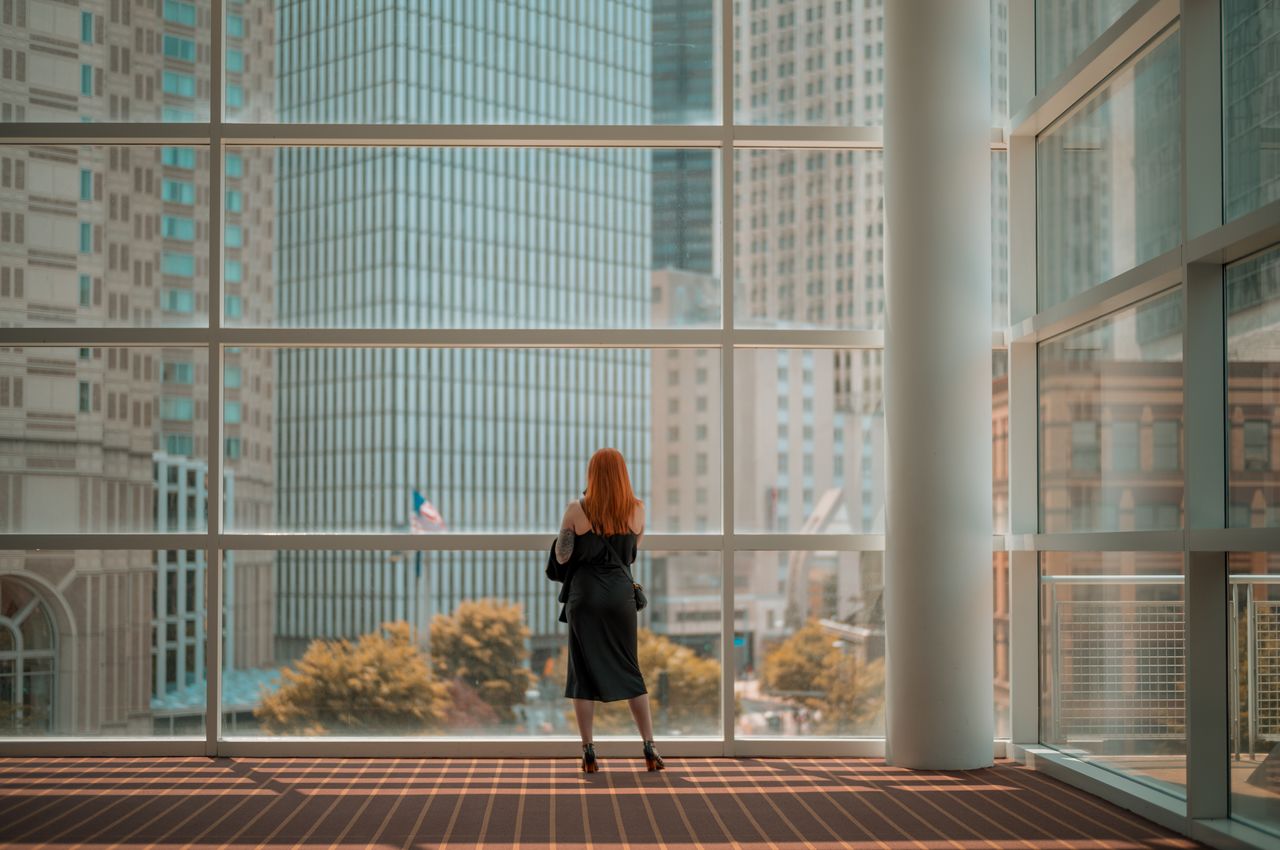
x=637, y=518
x=576, y=518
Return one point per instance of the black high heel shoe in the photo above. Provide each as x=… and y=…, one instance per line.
x=652, y=760
x=589, y=763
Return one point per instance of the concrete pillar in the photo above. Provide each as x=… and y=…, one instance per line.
x=938, y=596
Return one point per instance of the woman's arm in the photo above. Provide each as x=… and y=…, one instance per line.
x=564, y=541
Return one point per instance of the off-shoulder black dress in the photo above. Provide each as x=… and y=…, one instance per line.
x=602, y=620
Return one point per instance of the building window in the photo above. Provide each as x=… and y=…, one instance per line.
x=84, y=397
x=27, y=661
x=1257, y=445
x=1164, y=446
x=177, y=408
x=1084, y=447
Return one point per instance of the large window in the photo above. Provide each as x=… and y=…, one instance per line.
x=1110, y=422
x=1251, y=84
x=1108, y=177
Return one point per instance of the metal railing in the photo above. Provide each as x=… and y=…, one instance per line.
x=1116, y=666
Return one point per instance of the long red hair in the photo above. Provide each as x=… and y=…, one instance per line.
x=609, y=501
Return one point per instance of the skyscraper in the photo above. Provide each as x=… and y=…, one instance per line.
x=496, y=439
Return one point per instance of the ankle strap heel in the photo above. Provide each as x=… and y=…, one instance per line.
x=652, y=761
x=589, y=763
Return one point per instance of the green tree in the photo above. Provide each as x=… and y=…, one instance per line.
x=483, y=645
x=381, y=683
x=793, y=668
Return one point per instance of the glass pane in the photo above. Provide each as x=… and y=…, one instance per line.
x=1251, y=87
x=1109, y=185
x=809, y=238
x=1112, y=662
x=819, y=63
x=102, y=236
x=1111, y=422
x=1000, y=581
x=1253, y=390
x=1000, y=440
x=492, y=439
x=1066, y=28
x=808, y=440
x=104, y=439
x=1254, y=661
x=809, y=644
x=999, y=239
x=114, y=643
x=471, y=237
x=458, y=643
x=79, y=62
x=609, y=62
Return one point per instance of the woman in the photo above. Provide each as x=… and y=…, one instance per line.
x=597, y=542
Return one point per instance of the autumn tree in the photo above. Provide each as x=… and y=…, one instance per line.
x=381, y=683
x=693, y=687
x=483, y=646
x=812, y=670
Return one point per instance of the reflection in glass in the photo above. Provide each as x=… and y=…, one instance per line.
x=1254, y=659
x=1108, y=178
x=1111, y=422
x=1112, y=662
x=494, y=439
x=1251, y=86
x=809, y=440
x=1066, y=28
x=452, y=643
x=1000, y=608
x=107, y=643
x=98, y=235
x=1000, y=440
x=104, y=439
x=470, y=238
x=1253, y=390
x=82, y=62
x=809, y=644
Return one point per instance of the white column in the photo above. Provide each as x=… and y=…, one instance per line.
x=938, y=597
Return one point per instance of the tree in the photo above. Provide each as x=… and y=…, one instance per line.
x=693, y=687
x=812, y=670
x=483, y=645
x=382, y=683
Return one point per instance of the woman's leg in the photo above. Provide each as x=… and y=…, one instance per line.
x=584, y=711
x=640, y=711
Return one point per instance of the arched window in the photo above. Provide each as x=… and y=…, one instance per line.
x=27, y=657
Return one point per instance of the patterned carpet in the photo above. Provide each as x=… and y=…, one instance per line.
x=410, y=803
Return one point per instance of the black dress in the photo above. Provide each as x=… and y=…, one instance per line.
x=602, y=621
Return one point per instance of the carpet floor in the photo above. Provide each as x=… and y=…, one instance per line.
x=743, y=803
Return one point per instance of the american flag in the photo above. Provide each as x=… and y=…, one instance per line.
x=425, y=518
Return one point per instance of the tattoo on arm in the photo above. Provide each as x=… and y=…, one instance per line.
x=564, y=545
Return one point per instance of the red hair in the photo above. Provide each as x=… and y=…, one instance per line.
x=610, y=501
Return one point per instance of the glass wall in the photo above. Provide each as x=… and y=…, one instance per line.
x=457, y=643
x=1253, y=390
x=125, y=62
x=102, y=644
x=1112, y=662
x=104, y=439
x=809, y=643
x=1251, y=85
x=1254, y=662
x=1108, y=177
x=1111, y=422
x=1066, y=28
x=104, y=236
